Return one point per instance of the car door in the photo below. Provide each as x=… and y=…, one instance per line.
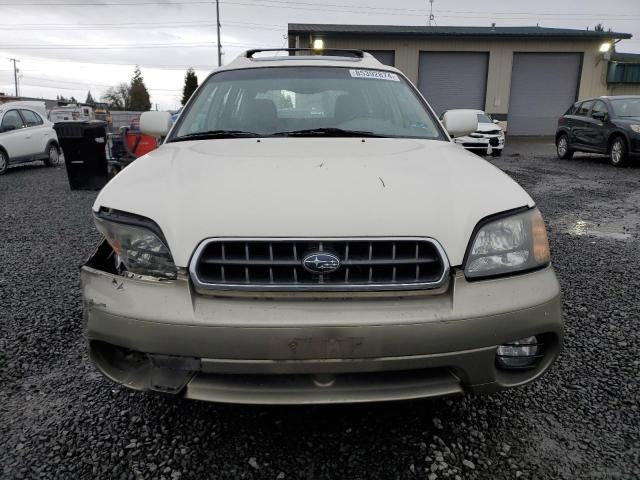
x=38, y=134
x=598, y=126
x=581, y=125
x=13, y=136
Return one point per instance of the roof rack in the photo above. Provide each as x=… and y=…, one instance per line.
x=358, y=54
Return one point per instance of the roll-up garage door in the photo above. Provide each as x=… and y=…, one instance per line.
x=387, y=57
x=453, y=79
x=543, y=85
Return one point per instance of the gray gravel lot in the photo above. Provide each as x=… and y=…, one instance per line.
x=60, y=419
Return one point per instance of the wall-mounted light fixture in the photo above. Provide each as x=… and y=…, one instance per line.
x=318, y=44
x=605, y=51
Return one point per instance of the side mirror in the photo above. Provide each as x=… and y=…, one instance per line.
x=156, y=124
x=460, y=122
x=599, y=116
x=496, y=122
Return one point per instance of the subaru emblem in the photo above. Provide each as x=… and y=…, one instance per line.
x=321, y=262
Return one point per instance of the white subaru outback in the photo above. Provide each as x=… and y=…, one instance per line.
x=309, y=233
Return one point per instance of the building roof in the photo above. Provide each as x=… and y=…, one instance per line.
x=425, y=31
x=625, y=57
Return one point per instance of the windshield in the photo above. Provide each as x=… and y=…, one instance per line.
x=484, y=118
x=626, y=107
x=326, y=100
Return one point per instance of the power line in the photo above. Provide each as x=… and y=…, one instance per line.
x=132, y=24
x=421, y=11
x=120, y=47
x=268, y=3
x=319, y=7
x=149, y=66
x=341, y=8
x=81, y=89
x=137, y=26
x=367, y=10
x=550, y=14
x=290, y=4
x=90, y=84
x=69, y=4
x=84, y=84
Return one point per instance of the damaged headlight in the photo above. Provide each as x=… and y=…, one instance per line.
x=138, y=244
x=509, y=244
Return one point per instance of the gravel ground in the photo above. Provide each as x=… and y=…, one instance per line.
x=60, y=419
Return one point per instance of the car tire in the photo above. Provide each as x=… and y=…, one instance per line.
x=4, y=162
x=618, y=154
x=562, y=147
x=496, y=153
x=53, y=156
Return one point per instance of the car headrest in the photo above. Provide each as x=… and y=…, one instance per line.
x=350, y=106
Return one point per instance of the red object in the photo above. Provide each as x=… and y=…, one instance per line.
x=140, y=144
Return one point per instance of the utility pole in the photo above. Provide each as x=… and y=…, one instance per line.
x=15, y=73
x=218, y=24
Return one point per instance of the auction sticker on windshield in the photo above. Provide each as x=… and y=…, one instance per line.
x=377, y=74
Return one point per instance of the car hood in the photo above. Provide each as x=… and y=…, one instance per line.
x=312, y=187
x=628, y=119
x=488, y=127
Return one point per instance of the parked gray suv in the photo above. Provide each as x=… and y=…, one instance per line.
x=608, y=125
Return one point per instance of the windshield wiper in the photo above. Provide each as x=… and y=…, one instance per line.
x=326, y=132
x=215, y=134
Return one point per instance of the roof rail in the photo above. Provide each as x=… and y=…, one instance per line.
x=358, y=54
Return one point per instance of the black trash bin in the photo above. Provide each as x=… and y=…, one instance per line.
x=83, y=145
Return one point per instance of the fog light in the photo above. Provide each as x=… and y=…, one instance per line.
x=523, y=353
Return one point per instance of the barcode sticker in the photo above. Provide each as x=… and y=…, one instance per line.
x=375, y=74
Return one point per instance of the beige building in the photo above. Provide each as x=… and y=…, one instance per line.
x=526, y=77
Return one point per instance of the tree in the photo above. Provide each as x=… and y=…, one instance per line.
x=90, y=100
x=190, y=85
x=118, y=97
x=138, y=94
x=63, y=99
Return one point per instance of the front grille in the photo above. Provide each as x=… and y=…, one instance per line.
x=276, y=264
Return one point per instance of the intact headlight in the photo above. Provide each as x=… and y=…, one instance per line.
x=508, y=244
x=137, y=243
x=635, y=127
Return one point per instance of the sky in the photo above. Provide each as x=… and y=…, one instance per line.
x=68, y=47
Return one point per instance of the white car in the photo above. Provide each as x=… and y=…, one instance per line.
x=309, y=233
x=25, y=136
x=480, y=141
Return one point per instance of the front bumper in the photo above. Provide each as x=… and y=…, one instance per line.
x=634, y=145
x=480, y=142
x=309, y=349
